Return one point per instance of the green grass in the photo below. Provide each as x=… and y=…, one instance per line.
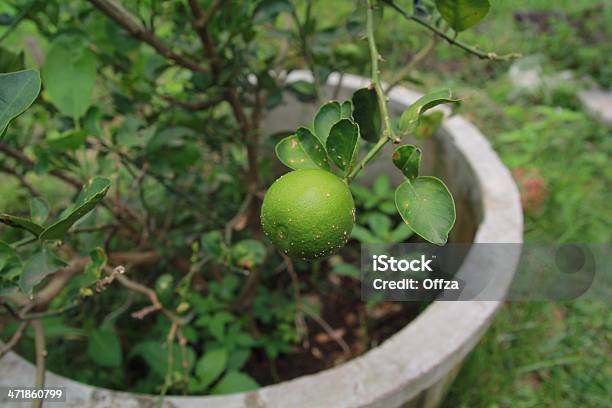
x=540, y=354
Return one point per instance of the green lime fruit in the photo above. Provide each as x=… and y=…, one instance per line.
x=308, y=213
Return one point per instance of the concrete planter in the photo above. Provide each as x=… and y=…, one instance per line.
x=416, y=365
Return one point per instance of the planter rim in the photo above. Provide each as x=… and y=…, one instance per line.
x=391, y=373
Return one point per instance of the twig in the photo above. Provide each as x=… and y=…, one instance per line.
x=122, y=17
x=155, y=303
x=49, y=313
x=170, y=362
x=120, y=310
x=140, y=288
x=338, y=87
x=300, y=323
x=182, y=341
x=8, y=346
x=210, y=13
x=194, y=106
x=21, y=179
x=62, y=276
x=452, y=40
x=418, y=57
x=19, y=156
x=306, y=47
x=229, y=227
x=87, y=230
x=41, y=354
x=103, y=283
x=330, y=331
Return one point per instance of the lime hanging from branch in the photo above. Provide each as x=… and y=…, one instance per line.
x=308, y=213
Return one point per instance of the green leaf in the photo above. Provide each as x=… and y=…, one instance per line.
x=249, y=253
x=70, y=140
x=211, y=365
x=233, y=382
x=380, y=224
x=23, y=223
x=302, y=151
x=343, y=144
x=346, y=110
x=10, y=61
x=155, y=355
x=429, y=124
x=363, y=235
x=267, y=10
x=11, y=268
x=37, y=268
x=217, y=324
x=407, y=158
x=213, y=244
x=17, y=92
x=381, y=187
x=39, y=211
x=96, y=264
x=327, y=116
x=411, y=116
x=69, y=75
x=367, y=114
x=305, y=91
x=238, y=358
x=172, y=146
x=91, y=195
x=346, y=269
x=400, y=234
x=462, y=14
x=104, y=348
x=427, y=206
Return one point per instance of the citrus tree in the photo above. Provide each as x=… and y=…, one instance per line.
x=133, y=188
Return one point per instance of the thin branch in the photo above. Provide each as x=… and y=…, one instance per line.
x=19, y=156
x=374, y=57
x=64, y=275
x=407, y=69
x=170, y=362
x=8, y=346
x=123, y=17
x=300, y=323
x=194, y=106
x=306, y=47
x=203, y=22
x=41, y=354
x=21, y=178
x=236, y=220
x=330, y=331
x=211, y=53
x=452, y=40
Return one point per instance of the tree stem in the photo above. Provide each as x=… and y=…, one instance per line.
x=374, y=56
x=380, y=94
x=41, y=354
